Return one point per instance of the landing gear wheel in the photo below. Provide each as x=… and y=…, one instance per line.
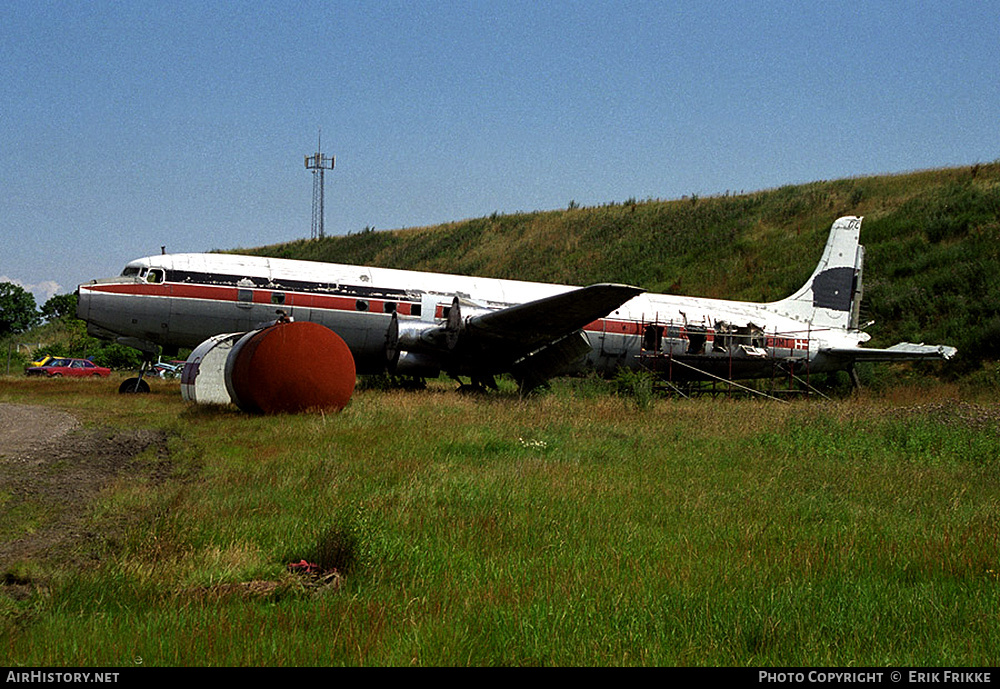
x=133, y=385
x=137, y=385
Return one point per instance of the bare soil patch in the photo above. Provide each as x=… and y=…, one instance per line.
x=51, y=469
x=28, y=429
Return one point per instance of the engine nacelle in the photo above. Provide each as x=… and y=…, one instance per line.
x=413, y=336
x=416, y=364
x=420, y=336
x=418, y=348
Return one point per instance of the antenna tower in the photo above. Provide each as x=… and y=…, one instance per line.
x=318, y=163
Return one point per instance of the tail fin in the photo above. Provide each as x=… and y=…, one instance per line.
x=831, y=297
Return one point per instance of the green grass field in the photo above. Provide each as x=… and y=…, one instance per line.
x=572, y=528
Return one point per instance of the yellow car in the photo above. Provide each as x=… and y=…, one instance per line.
x=42, y=361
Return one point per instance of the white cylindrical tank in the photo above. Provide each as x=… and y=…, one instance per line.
x=204, y=377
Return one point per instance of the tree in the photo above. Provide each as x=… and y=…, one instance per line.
x=17, y=309
x=59, y=306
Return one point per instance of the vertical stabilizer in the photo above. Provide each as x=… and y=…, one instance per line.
x=831, y=296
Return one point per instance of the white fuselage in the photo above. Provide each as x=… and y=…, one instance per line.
x=181, y=300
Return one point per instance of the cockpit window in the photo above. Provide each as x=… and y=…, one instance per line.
x=154, y=276
x=130, y=271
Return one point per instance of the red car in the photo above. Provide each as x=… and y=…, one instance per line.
x=77, y=368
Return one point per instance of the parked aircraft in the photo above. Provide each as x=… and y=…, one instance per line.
x=422, y=324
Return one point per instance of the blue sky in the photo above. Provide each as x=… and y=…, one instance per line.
x=132, y=125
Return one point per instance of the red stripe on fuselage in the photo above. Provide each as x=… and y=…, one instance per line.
x=341, y=303
x=259, y=296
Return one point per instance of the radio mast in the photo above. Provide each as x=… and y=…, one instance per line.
x=318, y=163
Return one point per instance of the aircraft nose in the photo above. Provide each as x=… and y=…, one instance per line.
x=82, y=303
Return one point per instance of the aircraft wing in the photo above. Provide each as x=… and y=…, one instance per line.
x=904, y=351
x=539, y=322
x=492, y=341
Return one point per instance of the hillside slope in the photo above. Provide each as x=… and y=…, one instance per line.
x=932, y=239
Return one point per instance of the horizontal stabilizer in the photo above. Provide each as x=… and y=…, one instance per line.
x=904, y=351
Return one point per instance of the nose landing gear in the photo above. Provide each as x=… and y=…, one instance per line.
x=137, y=385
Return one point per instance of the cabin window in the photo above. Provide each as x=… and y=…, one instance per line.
x=361, y=305
x=415, y=310
x=277, y=298
x=389, y=307
x=244, y=295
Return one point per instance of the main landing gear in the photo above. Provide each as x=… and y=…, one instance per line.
x=478, y=383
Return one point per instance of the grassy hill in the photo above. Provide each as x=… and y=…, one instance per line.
x=932, y=268
x=932, y=239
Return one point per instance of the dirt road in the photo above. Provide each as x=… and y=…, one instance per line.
x=51, y=470
x=24, y=428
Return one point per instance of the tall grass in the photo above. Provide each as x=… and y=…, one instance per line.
x=574, y=528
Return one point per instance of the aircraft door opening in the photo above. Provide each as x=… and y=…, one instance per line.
x=614, y=345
